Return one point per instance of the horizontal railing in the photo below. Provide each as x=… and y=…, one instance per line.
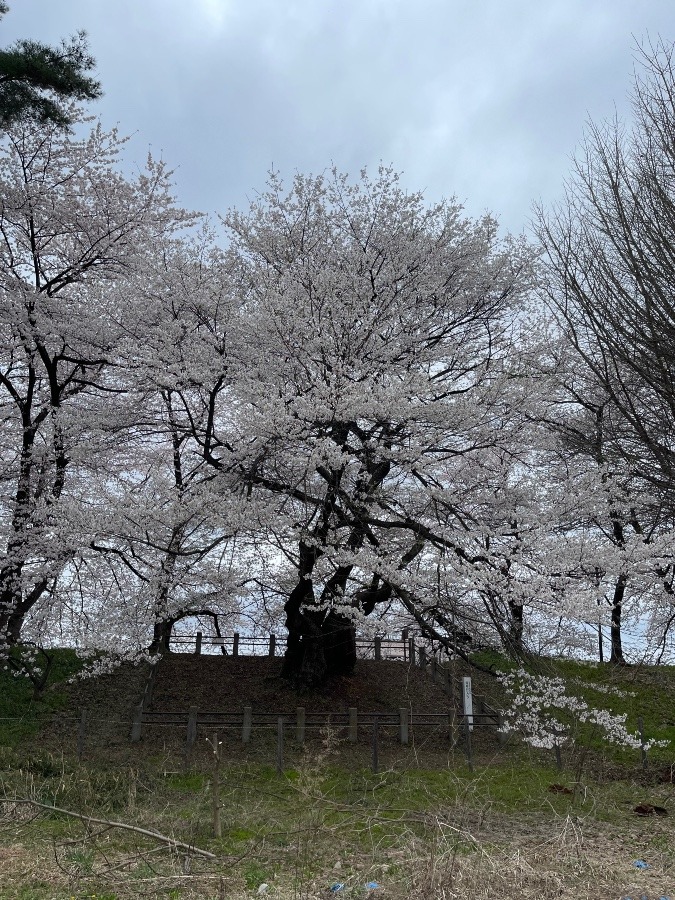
x=237, y=644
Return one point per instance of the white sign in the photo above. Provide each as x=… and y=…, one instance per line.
x=467, y=700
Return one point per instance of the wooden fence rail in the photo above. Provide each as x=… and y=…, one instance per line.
x=351, y=720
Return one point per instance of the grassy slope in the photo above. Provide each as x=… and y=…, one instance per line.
x=496, y=832
x=21, y=713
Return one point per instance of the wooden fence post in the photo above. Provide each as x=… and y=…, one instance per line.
x=422, y=657
x=434, y=666
x=246, y=728
x=378, y=649
x=273, y=644
x=411, y=651
x=300, y=725
x=198, y=643
x=558, y=757
x=376, y=749
x=404, y=721
x=81, y=732
x=280, y=746
x=353, y=724
x=235, y=644
x=137, y=726
x=191, y=736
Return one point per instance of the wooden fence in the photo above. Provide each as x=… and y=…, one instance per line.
x=460, y=718
x=349, y=721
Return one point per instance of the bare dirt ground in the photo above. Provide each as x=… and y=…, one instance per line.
x=227, y=683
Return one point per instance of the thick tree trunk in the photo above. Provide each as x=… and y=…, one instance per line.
x=320, y=645
x=17, y=599
x=161, y=636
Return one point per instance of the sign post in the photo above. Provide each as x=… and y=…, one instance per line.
x=467, y=700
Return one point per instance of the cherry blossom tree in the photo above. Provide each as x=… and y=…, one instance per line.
x=72, y=230
x=379, y=398
x=185, y=527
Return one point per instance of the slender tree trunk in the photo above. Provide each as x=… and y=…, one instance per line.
x=163, y=625
x=616, y=656
x=515, y=630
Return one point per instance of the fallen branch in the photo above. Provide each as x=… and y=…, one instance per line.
x=90, y=819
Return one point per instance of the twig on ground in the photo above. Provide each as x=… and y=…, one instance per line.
x=92, y=819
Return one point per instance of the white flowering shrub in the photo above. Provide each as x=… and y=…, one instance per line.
x=540, y=709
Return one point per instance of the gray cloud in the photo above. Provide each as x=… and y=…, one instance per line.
x=485, y=100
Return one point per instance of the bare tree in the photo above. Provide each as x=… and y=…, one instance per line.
x=609, y=262
x=609, y=266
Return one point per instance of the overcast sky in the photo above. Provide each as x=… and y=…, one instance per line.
x=481, y=99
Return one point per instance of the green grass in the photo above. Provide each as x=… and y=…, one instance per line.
x=638, y=692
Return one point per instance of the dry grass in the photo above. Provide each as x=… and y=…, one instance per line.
x=424, y=828
x=415, y=836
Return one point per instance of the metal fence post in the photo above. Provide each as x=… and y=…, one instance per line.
x=198, y=643
x=273, y=644
x=378, y=649
x=235, y=644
